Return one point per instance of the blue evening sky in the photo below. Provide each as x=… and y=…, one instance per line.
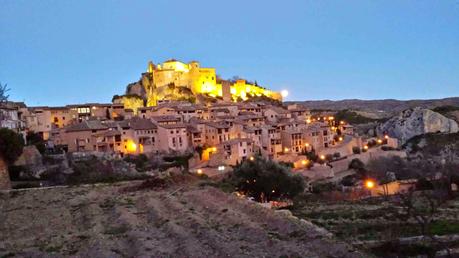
x=74, y=51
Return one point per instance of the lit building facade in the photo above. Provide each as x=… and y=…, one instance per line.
x=200, y=81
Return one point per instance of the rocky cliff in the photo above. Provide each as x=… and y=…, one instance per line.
x=417, y=121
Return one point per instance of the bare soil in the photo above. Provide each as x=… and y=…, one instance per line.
x=125, y=220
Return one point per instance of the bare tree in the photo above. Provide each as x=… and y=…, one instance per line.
x=3, y=90
x=422, y=206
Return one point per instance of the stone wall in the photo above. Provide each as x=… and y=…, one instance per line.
x=4, y=176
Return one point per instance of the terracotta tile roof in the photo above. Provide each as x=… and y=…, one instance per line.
x=173, y=126
x=141, y=124
x=86, y=125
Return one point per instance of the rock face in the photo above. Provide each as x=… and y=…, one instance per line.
x=30, y=157
x=417, y=121
x=4, y=176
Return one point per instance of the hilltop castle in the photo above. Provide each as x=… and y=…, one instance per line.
x=175, y=80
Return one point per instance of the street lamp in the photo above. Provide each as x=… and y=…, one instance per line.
x=369, y=184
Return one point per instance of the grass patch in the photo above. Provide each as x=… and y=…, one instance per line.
x=444, y=227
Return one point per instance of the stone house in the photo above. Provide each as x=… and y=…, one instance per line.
x=84, y=136
x=237, y=150
x=173, y=137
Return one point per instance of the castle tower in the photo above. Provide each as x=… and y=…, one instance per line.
x=151, y=67
x=226, y=90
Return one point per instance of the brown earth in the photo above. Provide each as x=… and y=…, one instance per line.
x=123, y=220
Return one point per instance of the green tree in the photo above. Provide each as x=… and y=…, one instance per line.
x=11, y=145
x=266, y=180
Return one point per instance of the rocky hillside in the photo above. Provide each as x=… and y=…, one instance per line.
x=438, y=147
x=128, y=220
x=392, y=106
x=417, y=121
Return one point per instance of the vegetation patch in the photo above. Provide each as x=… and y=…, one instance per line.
x=352, y=117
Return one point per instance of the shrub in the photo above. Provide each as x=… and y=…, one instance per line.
x=356, y=150
x=311, y=155
x=387, y=148
x=287, y=164
x=358, y=166
x=371, y=143
x=11, y=145
x=140, y=161
x=97, y=171
x=180, y=161
x=323, y=187
x=37, y=140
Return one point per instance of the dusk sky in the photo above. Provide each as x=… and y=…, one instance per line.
x=65, y=52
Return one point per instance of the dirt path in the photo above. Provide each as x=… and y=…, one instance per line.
x=100, y=221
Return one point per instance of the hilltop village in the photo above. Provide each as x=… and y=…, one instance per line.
x=184, y=152
x=223, y=125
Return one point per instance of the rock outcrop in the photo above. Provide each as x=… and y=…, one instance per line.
x=5, y=183
x=417, y=121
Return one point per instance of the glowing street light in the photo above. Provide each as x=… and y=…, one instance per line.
x=322, y=157
x=252, y=158
x=379, y=141
x=340, y=139
x=199, y=171
x=369, y=184
x=365, y=147
x=304, y=162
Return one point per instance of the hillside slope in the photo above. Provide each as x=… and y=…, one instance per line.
x=384, y=105
x=193, y=221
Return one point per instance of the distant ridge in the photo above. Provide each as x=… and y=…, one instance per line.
x=384, y=105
